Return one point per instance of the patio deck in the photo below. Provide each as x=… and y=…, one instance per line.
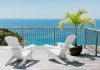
x=86, y=61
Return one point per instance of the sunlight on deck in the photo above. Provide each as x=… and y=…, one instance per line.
x=86, y=61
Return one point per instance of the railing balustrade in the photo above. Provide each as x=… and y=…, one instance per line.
x=46, y=35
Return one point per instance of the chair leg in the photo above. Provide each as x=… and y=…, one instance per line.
x=31, y=54
x=56, y=58
x=69, y=57
x=50, y=57
x=24, y=60
x=12, y=57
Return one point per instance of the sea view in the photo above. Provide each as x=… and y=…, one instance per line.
x=41, y=36
x=37, y=23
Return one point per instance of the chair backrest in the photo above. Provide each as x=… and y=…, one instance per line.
x=15, y=46
x=69, y=40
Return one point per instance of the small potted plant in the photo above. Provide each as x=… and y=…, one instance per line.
x=77, y=21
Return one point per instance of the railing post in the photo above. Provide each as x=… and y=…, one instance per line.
x=22, y=39
x=85, y=38
x=96, y=43
x=54, y=37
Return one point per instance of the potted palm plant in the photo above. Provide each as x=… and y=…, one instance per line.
x=77, y=21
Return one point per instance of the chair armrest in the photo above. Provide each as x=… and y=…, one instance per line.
x=60, y=48
x=71, y=46
x=28, y=47
x=60, y=44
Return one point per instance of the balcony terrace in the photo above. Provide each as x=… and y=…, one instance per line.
x=46, y=38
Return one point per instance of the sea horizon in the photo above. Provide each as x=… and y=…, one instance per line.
x=52, y=22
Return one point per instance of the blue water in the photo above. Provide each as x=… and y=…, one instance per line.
x=40, y=38
x=30, y=23
x=36, y=23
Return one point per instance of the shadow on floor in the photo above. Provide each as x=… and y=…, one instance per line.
x=87, y=55
x=74, y=63
x=26, y=65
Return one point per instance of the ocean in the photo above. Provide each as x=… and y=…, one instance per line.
x=29, y=22
x=40, y=38
x=37, y=23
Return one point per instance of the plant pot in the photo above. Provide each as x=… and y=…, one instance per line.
x=75, y=51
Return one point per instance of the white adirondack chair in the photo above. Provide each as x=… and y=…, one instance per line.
x=59, y=53
x=19, y=53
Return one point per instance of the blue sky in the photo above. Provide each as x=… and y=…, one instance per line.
x=47, y=8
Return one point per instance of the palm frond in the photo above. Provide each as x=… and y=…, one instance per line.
x=76, y=19
x=82, y=25
x=80, y=12
x=62, y=22
x=88, y=21
x=67, y=15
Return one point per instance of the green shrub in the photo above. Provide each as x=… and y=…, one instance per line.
x=5, y=32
